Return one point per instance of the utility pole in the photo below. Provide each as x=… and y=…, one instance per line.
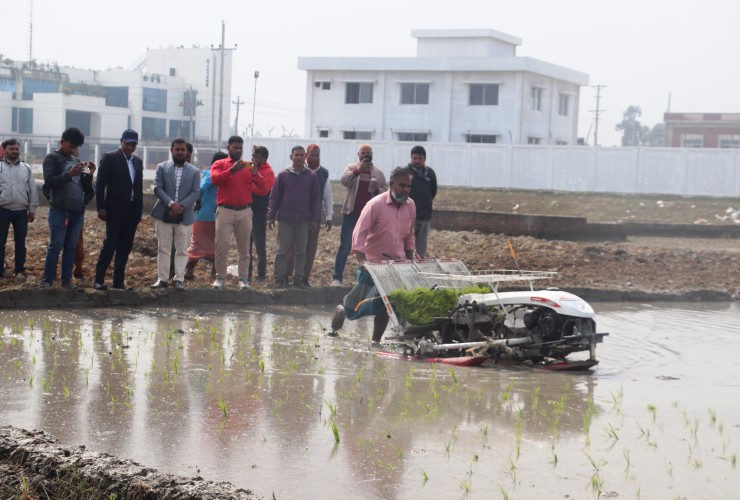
x=219, y=138
x=254, y=101
x=222, y=51
x=30, y=31
x=238, y=103
x=597, y=112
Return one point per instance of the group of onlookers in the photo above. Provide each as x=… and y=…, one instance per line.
x=198, y=213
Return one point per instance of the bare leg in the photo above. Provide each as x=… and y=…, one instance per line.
x=379, y=324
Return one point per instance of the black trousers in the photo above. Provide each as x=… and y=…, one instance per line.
x=259, y=238
x=120, y=230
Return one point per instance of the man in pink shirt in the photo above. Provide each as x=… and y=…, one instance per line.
x=384, y=231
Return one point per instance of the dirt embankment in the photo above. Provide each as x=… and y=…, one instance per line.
x=34, y=465
x=638, y=269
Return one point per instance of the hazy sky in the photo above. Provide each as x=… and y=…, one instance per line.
x=642, y=50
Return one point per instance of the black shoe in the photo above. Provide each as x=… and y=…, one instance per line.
x=101, y=287
x=79, y=276
x=281, y=284
x=177, y=285
x=122, y=286
x=299, y=284
x=71, y=286
x=307, y=284
x=159, y=284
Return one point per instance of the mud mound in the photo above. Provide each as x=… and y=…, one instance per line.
x=35, y=465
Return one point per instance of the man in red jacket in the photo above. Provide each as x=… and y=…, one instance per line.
x=260, y=201
x=234, y=179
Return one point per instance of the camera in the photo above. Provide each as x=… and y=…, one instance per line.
x=367, y=158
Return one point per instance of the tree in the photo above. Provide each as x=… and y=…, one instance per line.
x=632, y=130
x=635, y=133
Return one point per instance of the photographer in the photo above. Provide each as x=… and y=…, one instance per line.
x=69, y=184
x=363, y=181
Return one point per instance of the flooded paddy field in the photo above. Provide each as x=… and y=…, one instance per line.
x=264, y=399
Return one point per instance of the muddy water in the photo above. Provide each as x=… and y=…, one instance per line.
x=252, y=397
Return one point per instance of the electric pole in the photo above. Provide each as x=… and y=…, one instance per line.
x=238, y=103
x=597, y=112
x=30, y=32
x=254, y=101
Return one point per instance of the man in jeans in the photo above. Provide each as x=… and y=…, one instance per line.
x=363, y=181
x=18, y=202
x=70, y=187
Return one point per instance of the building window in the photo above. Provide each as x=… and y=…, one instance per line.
x=38, y=86
x=692, y=140
x=414, y=93
x=357, y=135
x=173, y=71
x=536, y=99
x=413, y=136
x=484, y=94
x=154, y=100
x=153, y=129
x=181, y=128
x=729, y=141
x=190, y=102
x=481, y=138
x=563, y=103
x=322, y=85
x=359, y=93
x=22, y=120
x=534, y=140
x=561, y=143
x=116, y=97
x=323, y=133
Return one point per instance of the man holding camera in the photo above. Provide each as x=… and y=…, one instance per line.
x=119, y=199
x=234, y=179
x=363, y=181
x=69, y=184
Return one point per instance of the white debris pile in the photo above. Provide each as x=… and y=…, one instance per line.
x=731, y=215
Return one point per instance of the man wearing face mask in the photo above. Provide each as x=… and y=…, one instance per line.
x=384, y=231
x=363, y=180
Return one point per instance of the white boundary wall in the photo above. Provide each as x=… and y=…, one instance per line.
x=680, y=171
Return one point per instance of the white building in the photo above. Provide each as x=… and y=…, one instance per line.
x=169, y=93
x=462, y=86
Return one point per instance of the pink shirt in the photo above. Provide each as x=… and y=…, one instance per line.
x=384, y=229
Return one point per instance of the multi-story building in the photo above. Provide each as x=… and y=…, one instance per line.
x=462, y=86
x=168, y=93
x=702, y=130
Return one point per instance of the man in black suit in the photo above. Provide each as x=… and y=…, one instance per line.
x=119, y=196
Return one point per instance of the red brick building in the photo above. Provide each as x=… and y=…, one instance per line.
x=702, y=130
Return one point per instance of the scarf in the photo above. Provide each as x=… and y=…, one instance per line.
x=422, y=174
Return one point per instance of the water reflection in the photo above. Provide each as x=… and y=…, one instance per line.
x=250, y=396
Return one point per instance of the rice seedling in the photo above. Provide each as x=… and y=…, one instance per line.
x=733, y=460
x=222, y=404
x=424, y=475
x=334, y=431
x=332, y=408
x=712, y=417
x=653, y=410
x=465, y=486
x=484, y=430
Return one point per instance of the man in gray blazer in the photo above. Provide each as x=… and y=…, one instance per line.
x=176, y=186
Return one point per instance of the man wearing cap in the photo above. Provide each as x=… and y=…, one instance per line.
x=119, y=199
